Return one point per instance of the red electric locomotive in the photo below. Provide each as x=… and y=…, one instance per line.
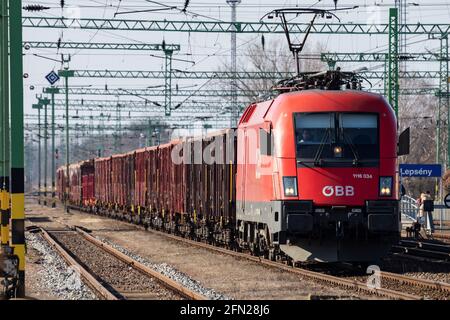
x=319, y=180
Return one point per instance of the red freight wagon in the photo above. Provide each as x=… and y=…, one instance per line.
x=75, y=183
x=179, y=186
x=221, y=175
x=140, y=184
x=61, y=178
x=103, y=181
x=209, y=186
x=116, y=179
x=165, y=183
x=123, y=180
x=87, y=183
x=152, y=179
x=129, y=181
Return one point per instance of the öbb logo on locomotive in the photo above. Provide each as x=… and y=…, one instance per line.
x=338, y=191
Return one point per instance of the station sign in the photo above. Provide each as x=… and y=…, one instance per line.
x=420, y=170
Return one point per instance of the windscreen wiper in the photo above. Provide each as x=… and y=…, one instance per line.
x=352, y=147
x=321, y=147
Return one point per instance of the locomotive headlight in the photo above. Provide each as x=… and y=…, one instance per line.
x=290, y=186
x=385, y=186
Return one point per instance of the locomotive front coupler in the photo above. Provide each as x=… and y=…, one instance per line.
x=339, y=230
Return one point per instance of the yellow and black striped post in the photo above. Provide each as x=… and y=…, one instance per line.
x=4, y=123
x=17, y=143
x=4, y=211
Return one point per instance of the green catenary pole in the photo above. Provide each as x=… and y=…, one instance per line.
x=66, y=73
x=38, y=106
x=168, y=81
x=149, y=140
x=45, y=102
x=17, y=144
x=393, y=74
x=53, y=91
x=444, y=83
x=443, y=112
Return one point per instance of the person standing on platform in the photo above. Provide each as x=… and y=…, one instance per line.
x=428, y=208
x=420, y=200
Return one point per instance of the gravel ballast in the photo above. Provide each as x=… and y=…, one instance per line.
x=171, y=273
x=111, y=271
x=55, y=276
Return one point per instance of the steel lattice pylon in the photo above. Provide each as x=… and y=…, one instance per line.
x=168, y=81
x=445, y=86
x=226, y=27
x=98, y=46
x=393, y=72
x=442, y=113
x=227, y=75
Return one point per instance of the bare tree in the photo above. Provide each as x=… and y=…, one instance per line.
x=272, y=56
x=418, y=113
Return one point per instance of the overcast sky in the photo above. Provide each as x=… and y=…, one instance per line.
x=207, y=50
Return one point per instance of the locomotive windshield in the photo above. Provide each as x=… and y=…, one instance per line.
x=337, y=139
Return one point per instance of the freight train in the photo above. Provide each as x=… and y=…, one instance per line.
x=309, y=175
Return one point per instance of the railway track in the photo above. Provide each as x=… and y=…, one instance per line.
x=430, y=289
x=441, y=237
x=393, y=285
x=425, y=250
x=111, y=274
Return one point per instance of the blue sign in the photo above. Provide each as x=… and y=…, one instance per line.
x=421, y=170
x=52, y=77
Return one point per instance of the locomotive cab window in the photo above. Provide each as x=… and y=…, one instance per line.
x=314, y=131
x=337, y=139
x=361, y=131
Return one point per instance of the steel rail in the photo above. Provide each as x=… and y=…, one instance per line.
x=444, y=248
x=421, y=259
x=86, y=275
x=166, y=281
x=423, y=253
x=441, y=286
x=440, y=236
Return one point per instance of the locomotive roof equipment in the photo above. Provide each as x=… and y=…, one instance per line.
x=283, y=14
